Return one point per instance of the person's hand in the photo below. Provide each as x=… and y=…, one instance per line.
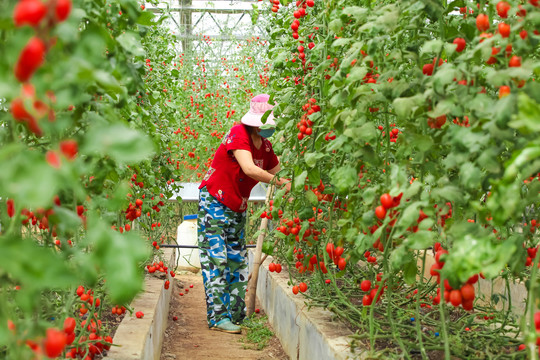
x=288, y=187
x=288, y=190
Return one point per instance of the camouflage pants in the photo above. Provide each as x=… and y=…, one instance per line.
x=223, y=259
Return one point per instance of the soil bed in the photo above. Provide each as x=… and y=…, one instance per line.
x=110, y=322
x=189, y=337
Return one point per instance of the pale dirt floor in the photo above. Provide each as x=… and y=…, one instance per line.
x=190, y=338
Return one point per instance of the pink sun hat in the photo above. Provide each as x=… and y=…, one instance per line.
x=258, y=106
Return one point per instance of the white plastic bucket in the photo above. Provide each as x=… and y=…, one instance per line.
x=188, y=259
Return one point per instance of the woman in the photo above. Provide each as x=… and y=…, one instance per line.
x=244, y=158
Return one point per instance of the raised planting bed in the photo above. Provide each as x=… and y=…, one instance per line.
x=314, y=333
x=304, y=334
x=142, y=338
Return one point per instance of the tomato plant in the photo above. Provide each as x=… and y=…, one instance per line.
x=99, y=122
x=431, y=107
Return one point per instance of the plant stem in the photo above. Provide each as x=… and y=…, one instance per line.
x=442, y=306
x=417, y=310
x=531, y=304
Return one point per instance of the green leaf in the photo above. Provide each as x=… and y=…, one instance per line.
x=109, y=83
x=344, y=178
x=368, y=194
x=400, y=256
x=445, y=75
x=41, y=267
x=442, y=108
x=410, y=214
x=26, y=177
x=146, y=18
x=419, y=141
x=265, y=116
x=527, y=120
x=357, y=12
x=131, y=42
x=312, y=159
x=299, y=180
x=410, y=270
x=305, y=213
x=340, y=42
x=432, y=47
x=406, y=106
x=470, y=175
x=519, y=159
x=311, y=198
x=120, y=257
x=357, y=73
x=476, y=250
x=268, y=247
x=412, y=190
x=119, y=142
x=364, y=133
x=335, y=26
x=449, y=192
x=314, y=176
x=420, y=240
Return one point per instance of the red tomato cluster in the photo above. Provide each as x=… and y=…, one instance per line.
x=290, y=227
x=298, y=14
x=437, y=123
x=427, y=69
x=157, y=206
x=305, y=124
x=335, y=253
x=421, y=217
x=157, y=266
x=330, y=136
x=366, y=286
x=268, y=214
x=534, y=225
x=10, y=207
x=187, y=132
x=87, y=297
x=312, y=264
x=68, y=148
x=57, y=341
x=274, y=267
x=464, y=122
x=302, y=287
x=134, y=181
x=319, y=192
x=444, y=216
x=531, y=254
x=118, y=310
x=463, y=296
x=29, y=116
x=387, y=202
x=370, y=258
x=41, y=217
x=394, y=132
x=35, y=13
x=531, y=178
x=460, y=44
x=134, y=211
x=275, y=5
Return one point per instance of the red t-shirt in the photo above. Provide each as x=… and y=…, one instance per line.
x=225, y=179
